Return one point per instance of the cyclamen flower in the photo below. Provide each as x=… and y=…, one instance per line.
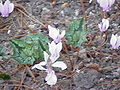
x=106, y=4
x=6, y=8
x=103, y=26
x=55, y=34
x=55, y=50
x=51, y=78
x=115, y=41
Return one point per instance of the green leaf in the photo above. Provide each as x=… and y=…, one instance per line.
x=5, y=76
x=76, y=34
x=2, y=50
x=29, y=48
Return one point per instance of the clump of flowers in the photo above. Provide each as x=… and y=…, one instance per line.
x=50, y=60
x=115, y=41
x=103, y=26
x=6, y=8
x=106, y=4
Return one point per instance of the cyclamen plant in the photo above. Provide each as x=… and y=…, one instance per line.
x=6, y=8
x=50, y=60
x=106, y=4
x=115, y=41
x=103, y=26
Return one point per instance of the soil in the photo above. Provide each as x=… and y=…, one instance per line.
x=97, y=66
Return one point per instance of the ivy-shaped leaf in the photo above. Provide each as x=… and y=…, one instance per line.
x=29, y=48
x=76, y=33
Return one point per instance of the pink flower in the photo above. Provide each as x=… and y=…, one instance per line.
x=103, y=26
x=106, y=4
x=55, y=34
x=51, y=78
x=115, y=41
x=6, y=8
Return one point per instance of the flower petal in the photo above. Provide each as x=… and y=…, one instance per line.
x=6, y=7
x=105, y=23
x=11, y=7
x=113, y=40
x=58, y=47
x=52, y=47
x=51, y=78
x=90, y=1
x=53, y=32
x=1, y=7
x=40, y=66
x=46, y=56
x=60, y=64
x=62, y=34
x=111, y=2
x=118, y=42
x=100, y=27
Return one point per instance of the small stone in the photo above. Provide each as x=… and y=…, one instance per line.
x=45, y=9
x=118, y=70
x=115, y=74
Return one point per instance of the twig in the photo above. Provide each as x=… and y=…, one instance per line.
x=30, y=72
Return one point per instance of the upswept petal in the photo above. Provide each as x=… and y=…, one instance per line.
x=51, y=78
x=52, y=47
x=104, y=4
x=11, y=7
x=55, y=48
x=1, y=7
x=60, y=64
x=111, y=2
x=90, y=1
x=53, y=32
x=58, y=47
x=40, y=66
x=46, y=56
x=100, y=27
x=105, y=24
x=62, y=34
x=118, y=42
x=113, y=40
x=98, y=1
x=6, y=7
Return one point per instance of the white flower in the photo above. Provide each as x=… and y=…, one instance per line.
x=115, y=41
x=55, y=34
x=6, y=8
x=106, y=4
x=103, y=26
x=51, y=78
x=55, y=50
